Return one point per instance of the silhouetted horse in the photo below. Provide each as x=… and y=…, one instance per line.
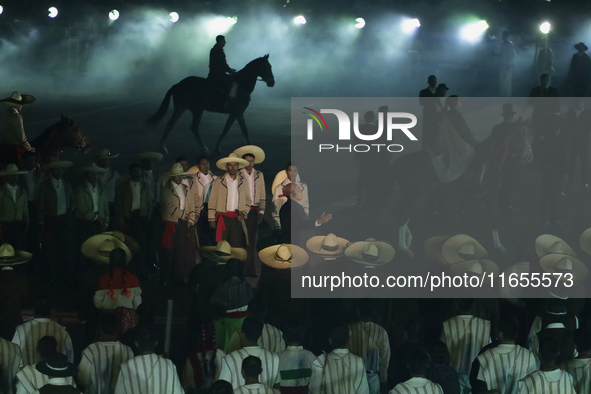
x=50, y=144
x=416, y=178
x=199, y=94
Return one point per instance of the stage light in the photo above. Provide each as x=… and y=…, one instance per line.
x=299, y=20
x=360, y=23
x=114, y=15
x=220, y=25
x=473, y=31
x=410, y=25
x=232, y=20
x=1, y=9
x=52, y=12
x=545, y=27
x=174, y=17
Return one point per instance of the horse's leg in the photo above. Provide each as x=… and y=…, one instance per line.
x=178, y=112
x=491, y=206
x=229, y=124
x=197, y=114
x=242, y=125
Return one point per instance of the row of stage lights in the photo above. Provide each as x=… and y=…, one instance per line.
x=470, y=32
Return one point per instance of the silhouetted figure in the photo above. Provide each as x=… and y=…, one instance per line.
x=428, y=103
x=545, y=101
x=367, y=178
x=219, y=71
x=506, y=63
x=545, y=59
x=578, y=123
x=579, y=73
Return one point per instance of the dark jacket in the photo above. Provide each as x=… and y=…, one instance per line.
x=292, y=213
x=217, y=61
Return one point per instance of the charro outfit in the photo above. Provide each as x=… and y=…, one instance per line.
x=229, y=198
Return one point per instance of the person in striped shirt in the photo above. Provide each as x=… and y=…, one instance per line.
x=58, y=369
x=148, y=373
x=10, y=360
x=271, y=339
x=580, y=367
x=101, y=361
x=503, y=366
x=370, y=341
x=550, y=378
x=28, y=334
x=418, y=363
x=251, y=369
x=28, y=378
x=464, y=336
x=295, y=362
x=232, y=363
x=338, y=372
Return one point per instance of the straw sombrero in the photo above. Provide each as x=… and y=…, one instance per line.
x=370, y=252
x=553, y=262
x=550, y=244
x=284, y=256
x=280, y=177
x=93, y=168
x=223, y=252
x=329, y=245
x=9, y=256
x=57, y=164
x=177, y=170
x=17, y=99
x=156, y=156
x=585, y=241
x=232, y=158
x=478, y=267
x=433, y=247
x=259, y=154
x=106, y=154
x=99, y=247
x=131, y=243
x=461, y=248
x=12, y=169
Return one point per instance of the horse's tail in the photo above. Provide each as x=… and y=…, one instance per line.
x=157, y=117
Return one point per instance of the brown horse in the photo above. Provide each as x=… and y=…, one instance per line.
x=416, y=179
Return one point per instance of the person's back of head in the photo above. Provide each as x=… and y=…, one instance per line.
x=549, y=350
x=46, y=346
x=42, y=306
x=252, y=367
x=257, y=309
x=252, y=329
x=508, y=328
x=339, y=337
x=145, y=340
x=464, y=305
x=294, y=332
x=234, y=268
x=366, y=309
x=222, y=387
x=108, y=324
x=418, y=362
x=146, y=313
x=439, y=353
x=118, y=258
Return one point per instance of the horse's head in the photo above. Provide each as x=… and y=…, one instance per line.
x=72, y=135
x=265, y=72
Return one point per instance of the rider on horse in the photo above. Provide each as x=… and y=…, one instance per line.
x=11, y=124
x=219, y=71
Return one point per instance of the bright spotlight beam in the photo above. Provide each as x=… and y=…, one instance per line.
x=473, y=31
x=545, y=27
x=360, y=23
x=299, y=20
x=174, y=17
x=410, y=25
x=52, y=12
x=1, y=9
x=114, y=15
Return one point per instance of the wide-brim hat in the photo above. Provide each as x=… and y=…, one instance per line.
x=98, y=248
x=223, y=252
x=106, y=154
x=56, y=365
x=442, y=86
x=232, y=158
x=371, y=252
x=581, y=46
x=177, y=170
x=508, y=110
x=433, y=247
x=280, y=177
x=329, y=245
x=553, y=262
x=9, y=256
x=131, y=243
x=57, y=164
x=12, y=169
x=585, y=241
x=93, y=168
x=17, y=99
x=478, y=267
x=550, y=244
x=284, y=256
x=461, y=248
x=156, y=156
x=259, y=154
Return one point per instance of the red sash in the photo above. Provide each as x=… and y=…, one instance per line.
x=221, y=226
x=236, y=315
x=166, y=241
x=254, y=208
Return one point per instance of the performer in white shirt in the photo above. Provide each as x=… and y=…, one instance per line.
x=418, y=363
x=204, y=180
x=580, y=367
x=10, y=359
x=110, y=179
x=251, y=369
x=295, y=362
x=279, y=199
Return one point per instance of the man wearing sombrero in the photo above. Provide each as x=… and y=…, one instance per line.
x=57, y=367
x=579, y=73
x=256, y=185
x=291, y=176
x=14, y=208
x=109, y=179
x=14, y=287
x=229, y=202
x=11, y=124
